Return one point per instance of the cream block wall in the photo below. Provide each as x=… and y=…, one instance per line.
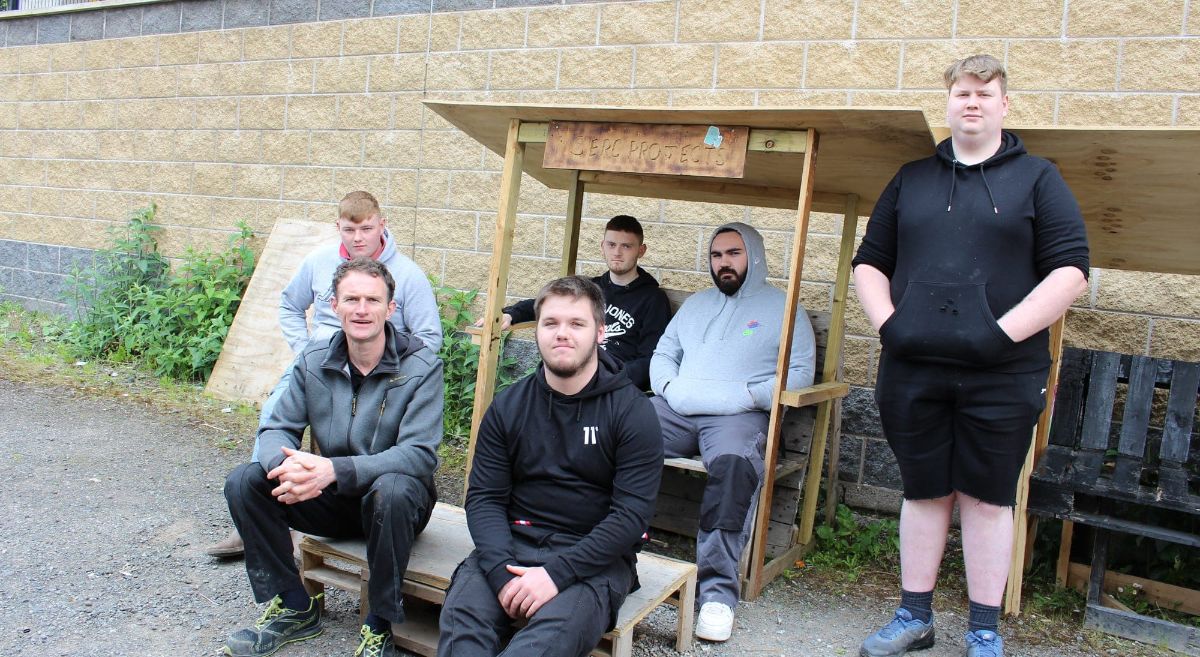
x=264, y=122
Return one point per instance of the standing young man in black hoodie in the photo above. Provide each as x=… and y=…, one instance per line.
x=637, y=309
x=562, y=487
x=969, y=256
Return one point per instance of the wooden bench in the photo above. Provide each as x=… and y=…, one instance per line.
x=1109, y=461
x=444, y=544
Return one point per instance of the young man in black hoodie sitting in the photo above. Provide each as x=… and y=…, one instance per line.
x=637, y=310
x=562, y=488
x=969, y=256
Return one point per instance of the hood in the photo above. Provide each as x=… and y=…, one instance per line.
x=644, y=279
x=756, y=258
x=1011, y=146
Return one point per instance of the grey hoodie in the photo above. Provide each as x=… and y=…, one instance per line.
x=416, y=309
x=717, y=356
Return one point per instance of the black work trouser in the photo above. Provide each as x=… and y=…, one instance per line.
x=390, y=515
x=473, y=624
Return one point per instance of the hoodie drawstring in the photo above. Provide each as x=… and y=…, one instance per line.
x=954, y=177
x=989, y=190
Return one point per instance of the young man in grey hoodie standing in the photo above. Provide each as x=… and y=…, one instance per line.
x=363, y=232
x=713, y=374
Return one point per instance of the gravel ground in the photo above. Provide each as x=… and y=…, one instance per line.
x=109, y=502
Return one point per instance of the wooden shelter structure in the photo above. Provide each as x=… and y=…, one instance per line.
x=829, y=159
x=1139, y=190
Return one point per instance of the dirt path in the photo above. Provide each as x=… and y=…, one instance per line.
x=108, y=503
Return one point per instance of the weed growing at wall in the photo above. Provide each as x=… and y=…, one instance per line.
x=131, y=307
x=851, y=546
x=460, y=360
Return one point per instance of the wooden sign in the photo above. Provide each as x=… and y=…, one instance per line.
x=696, y=150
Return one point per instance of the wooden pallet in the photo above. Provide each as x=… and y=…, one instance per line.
x=1106, y=465
x=439, y=549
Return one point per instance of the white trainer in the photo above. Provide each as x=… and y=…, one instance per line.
x=715, y=622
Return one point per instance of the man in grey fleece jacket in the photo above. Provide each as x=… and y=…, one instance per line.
x=363, y=232
x=372, y=397
x=714, y=374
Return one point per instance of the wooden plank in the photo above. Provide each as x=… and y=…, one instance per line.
x=506, y=224
x=815, y=394
x=255, y=354
x=1069, y=395
x=1097, y=413
x=571, y=226
x=833, y=350
x=692, y=189
x=1062, y=567
x=778, y=141
x=419, y=632
x=1105, y=522
x=1180, y=638
x=1022, y=546
x=654, y=148
x=1164, y=595
x=1181, y=412
x=791, y=302
x=854, y=159
x=1138, y=399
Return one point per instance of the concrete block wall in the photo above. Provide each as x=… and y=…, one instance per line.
x=223, y=110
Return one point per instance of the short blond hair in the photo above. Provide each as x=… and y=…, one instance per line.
x=984, y=67
x=357, y=207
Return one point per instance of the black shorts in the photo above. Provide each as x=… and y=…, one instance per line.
x=958, y=429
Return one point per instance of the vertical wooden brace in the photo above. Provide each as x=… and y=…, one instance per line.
x=833, y=364
x=571, y=228
x=506, y=223
x=1021, y=520
x=758, y=536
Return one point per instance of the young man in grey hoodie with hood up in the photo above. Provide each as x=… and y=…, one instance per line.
x=714, y=374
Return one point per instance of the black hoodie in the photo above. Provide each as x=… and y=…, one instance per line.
x=579, y=470
x=637, y=316
x=963, y=244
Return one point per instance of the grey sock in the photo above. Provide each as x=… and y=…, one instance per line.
x=920, y=605
x=983, y=617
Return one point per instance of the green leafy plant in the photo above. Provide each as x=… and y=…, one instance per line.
x=460, y=361
x=849, y=545
x=130, y=305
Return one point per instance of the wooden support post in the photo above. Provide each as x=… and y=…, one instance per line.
x=1041, y=435
x=833, y=357
x=506, y=224
x=571, y=228
x=1062, y=570
x=758, y=535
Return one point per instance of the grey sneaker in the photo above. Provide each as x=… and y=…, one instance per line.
x=903, y=634
x=277, y=627
x=984, y=643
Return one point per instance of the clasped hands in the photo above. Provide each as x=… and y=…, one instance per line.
x=302, y=476
x=524, y=594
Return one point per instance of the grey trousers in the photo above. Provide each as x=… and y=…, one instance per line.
x=731, y=448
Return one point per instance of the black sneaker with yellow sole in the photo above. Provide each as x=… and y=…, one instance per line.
x=277, y=627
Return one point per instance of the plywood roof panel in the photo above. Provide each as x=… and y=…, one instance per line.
x=860, y=148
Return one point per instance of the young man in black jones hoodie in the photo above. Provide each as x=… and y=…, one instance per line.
x=562, y=487
x=968, y=257
x=637, y=309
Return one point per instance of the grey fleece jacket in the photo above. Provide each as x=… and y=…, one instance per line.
x=416, y=309
x=717, y=356
x=392, y=424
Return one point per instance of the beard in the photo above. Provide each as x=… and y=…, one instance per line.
x=568, y=370
x=729, y=286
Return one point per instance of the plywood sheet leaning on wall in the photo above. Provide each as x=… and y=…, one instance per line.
x=255, y=353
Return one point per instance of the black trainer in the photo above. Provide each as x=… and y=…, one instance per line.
x=374, y=645
x=277, y=627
